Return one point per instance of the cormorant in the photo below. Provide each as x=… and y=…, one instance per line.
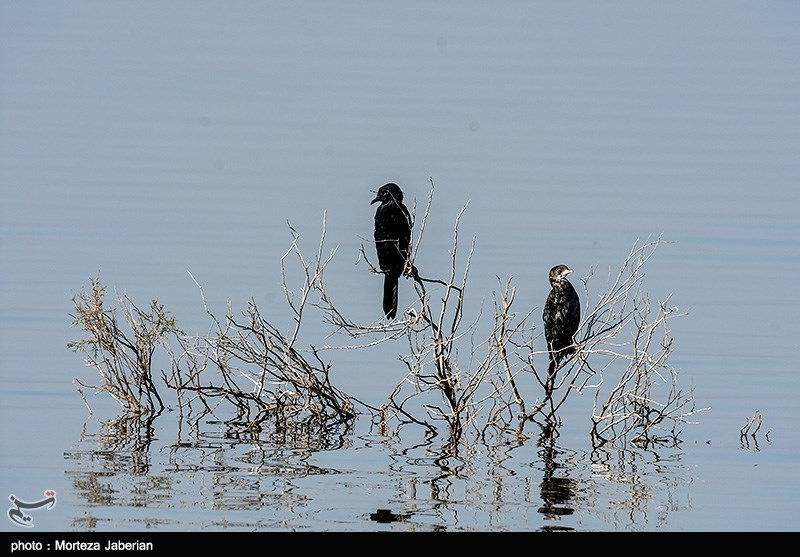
x=561, y=316
x=392, y=241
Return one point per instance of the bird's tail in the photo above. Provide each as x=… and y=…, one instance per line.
x=390, y=296
x=551, y=376
x=556, y=357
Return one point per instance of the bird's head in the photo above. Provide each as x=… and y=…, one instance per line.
x=559, y=273
x=388, y=192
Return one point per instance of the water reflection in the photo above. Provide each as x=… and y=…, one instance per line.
x=638, y=489
x=121, y=446
x=506, y=487
x=386, y=516
x=122, y=463
x=273, y=480
x=557, y=490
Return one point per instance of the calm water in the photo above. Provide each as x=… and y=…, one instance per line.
x=139, y=141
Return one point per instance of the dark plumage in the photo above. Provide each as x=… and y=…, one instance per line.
x=392, y=241
x=561, y=316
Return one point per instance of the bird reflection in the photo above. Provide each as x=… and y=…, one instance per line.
x=556, y=491
x=385, y=516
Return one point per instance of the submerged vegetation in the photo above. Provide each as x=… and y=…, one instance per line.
x=482, y=377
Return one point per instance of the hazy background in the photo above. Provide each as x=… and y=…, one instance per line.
x=142, y=140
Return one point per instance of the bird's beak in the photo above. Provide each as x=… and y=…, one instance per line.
x=377, y=198
x=568, y=271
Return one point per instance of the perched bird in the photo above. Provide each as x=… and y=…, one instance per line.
x=561, y=316
x=392, y=241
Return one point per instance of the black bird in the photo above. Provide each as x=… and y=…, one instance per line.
x=561, y=316
x=392, y=241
